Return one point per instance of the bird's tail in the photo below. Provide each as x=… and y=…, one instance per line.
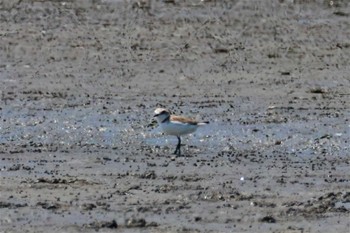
x=203, y=123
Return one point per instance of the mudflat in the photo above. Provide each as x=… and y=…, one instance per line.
x=80, y=151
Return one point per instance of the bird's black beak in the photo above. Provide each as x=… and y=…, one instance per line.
x=156, y=115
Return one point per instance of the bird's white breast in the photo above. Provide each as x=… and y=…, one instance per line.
x=177, y=128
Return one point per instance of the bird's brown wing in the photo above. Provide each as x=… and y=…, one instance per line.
x=184, y=120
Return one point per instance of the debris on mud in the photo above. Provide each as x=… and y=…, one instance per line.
x=135, y=222
x=268, y=219
x=102, y=224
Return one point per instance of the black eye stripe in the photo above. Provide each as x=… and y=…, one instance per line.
x=158, y=114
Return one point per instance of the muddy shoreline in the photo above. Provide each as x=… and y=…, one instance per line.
x=80, y=152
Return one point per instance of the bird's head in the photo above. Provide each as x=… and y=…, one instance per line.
x=161, y=114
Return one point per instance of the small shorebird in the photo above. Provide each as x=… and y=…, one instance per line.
x=176, y=125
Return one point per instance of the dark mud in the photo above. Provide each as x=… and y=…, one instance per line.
x=79, y=151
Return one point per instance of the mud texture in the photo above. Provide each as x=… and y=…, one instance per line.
x=80, y=79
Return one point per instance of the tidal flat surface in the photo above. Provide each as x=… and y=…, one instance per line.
x=80, y=152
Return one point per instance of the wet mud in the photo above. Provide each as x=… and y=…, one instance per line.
x=80, y=152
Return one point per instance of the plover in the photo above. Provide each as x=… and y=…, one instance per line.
x=176, y=125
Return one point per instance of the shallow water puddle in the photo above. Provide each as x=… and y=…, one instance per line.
x=87, y=127
x=295, y=138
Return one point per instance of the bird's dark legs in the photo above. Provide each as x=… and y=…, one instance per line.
x=177, y=150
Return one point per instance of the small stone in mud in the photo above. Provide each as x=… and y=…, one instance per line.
x=268, y=219
x=134, y=187
x=15, y=167
x=88, y=206
x=197, y=219
x=318, y=90
x=152, y=224
x=285, y=73
x=149, y=175
x=221, y=50
x=104, y=224
x=278, y=142
x=48, y=206
x=51, y=181
x=135, y=222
